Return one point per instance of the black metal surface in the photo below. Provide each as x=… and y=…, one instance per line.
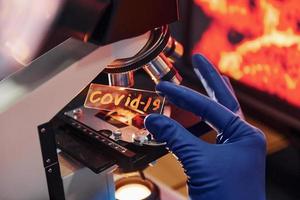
x=94, y=158
x=89, y=148
x=50, y=160
x=55, y=184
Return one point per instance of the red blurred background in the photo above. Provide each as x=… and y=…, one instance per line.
x=256, y=43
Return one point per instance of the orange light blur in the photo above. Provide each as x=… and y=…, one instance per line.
x=264, y=49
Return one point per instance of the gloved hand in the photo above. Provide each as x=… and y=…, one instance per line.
x=231, y=169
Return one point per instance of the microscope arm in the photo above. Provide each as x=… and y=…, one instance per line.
x=33, y=95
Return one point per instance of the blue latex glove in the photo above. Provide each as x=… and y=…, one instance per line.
x=231, y=169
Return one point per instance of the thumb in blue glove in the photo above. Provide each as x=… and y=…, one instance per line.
x=231, y=169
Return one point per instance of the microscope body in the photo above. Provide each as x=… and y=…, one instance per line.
x=36, y=93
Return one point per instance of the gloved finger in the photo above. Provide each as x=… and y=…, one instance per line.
x=227, y=81
x=177, y=138
x=213, y=83
x=210, y=111
x=238, y=111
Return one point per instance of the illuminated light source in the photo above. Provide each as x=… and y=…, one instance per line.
x=133, y=191
x=136, y=188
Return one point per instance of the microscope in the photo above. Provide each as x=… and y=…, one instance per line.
x=44, y=113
